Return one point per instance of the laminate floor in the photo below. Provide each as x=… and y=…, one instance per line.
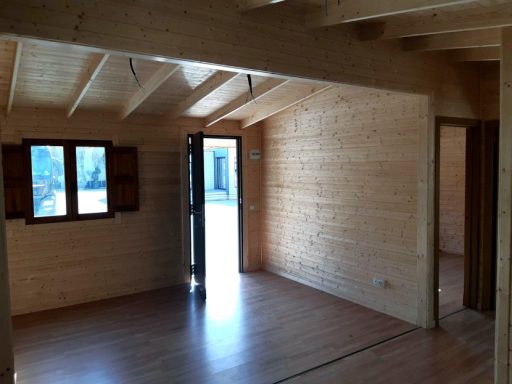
x=460, y=351
x=262, y=330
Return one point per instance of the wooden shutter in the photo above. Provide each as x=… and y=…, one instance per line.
x=14, y=181
x=125, y=193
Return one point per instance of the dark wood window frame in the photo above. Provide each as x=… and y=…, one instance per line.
x=70, y=179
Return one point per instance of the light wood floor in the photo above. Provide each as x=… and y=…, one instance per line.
x=267, y=330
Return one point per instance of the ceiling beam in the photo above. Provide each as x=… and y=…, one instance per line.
x=454, y=40
x=475, y=54
x=158, y=78
x=261, y=90
x=495, y=16
x=285, y=103
x=96, y=63
x=14, y=75
x=247, y=5
x=205, y=89
x=348, y=11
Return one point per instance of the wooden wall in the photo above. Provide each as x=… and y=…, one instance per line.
x=452, y=189
x=339, y=196
x=459, y=91
x=490, y=90
x=55, y=265
x=274, y=42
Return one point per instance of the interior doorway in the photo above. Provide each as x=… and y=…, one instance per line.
x=215, y=211
x=452, y=199
x=465, y=217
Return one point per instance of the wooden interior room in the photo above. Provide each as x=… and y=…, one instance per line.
x=255, y=191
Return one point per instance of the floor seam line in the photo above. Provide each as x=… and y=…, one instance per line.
x=361, y=350
x=347, y=355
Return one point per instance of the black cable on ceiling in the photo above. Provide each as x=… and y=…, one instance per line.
x=249, y=81
x=134, y=74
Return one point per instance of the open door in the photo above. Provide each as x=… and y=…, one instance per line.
x=489, y=179
x=197, y=213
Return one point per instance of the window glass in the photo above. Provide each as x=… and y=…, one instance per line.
x=48, y=180
x=91, y=172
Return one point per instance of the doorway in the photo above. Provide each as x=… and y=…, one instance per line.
x=452, y=215
x=215, y=211
x=465, y=215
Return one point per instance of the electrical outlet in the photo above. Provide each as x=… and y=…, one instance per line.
x=379, y=283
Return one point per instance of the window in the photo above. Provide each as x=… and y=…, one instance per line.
x=91, y=171
x=70, y=180
x=48, y=186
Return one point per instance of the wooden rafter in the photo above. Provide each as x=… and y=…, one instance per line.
x=247, y=5
x=261, y=90
x=209, y=86
x=455, y=40
x=14, y=75
x=348, y=11
x=97, y=62
x=158, y=78
x=283, y=104
x=495, y=16
x=475, y=54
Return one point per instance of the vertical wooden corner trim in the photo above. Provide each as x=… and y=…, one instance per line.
x=504, y=233
x=425, y=219
x=6, y=346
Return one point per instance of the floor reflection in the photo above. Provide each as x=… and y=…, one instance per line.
x=222, y=277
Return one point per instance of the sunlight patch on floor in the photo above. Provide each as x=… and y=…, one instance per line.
x=222, y=277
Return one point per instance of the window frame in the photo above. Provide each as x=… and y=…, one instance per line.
x=70, y=180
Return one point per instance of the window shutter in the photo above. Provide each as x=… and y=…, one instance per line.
x=14, y=181
x=126, y=179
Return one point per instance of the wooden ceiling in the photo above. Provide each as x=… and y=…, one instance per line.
x=70, y=78
x=67, y=77
x=466, y=30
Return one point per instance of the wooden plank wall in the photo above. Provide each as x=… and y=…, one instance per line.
x=339, y=196
x=490, y=90
x=459, y=91
x=452, y=189
x=54, y=265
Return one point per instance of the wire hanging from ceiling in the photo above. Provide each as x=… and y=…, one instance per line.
x=249, y=82
x=134, y=74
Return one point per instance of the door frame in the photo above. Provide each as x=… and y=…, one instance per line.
x=187, y=232
x=238, y=140
x=489, y=214
x=250, y=138
x=196, y=211
x=472, y=208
